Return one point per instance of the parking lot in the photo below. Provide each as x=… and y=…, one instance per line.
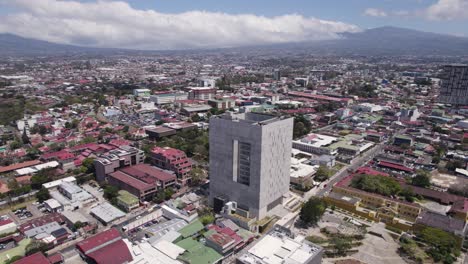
x=7, y=245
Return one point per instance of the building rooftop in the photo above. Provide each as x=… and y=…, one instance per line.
x=191, y=229
x=444, y=222
x=106, y=248
x=278, y=247
x=36, y=258
x=196, y=252
x=127, y=197
x=107, y=212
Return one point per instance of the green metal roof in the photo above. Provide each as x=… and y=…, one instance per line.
x=191, y=229
x=197, y=253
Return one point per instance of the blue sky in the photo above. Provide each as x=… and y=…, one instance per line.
x=169, y=24
x=350, y=11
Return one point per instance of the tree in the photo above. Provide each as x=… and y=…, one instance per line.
x=36, y=246
x=111, y=192
x=442, y=245
x=88, y=140
x=452, y=165
x=422, y=179
x=198, y=176
x=40, y=178
x=78, y=225
x=42, y=195
x=206, y=216
x=382, y=185
x=312, y=211
x=25, y=137
x=15, y=145
x=88, y=163
x=302, y=126
x=168, y=192
x=195, y=118
x=322, y=174
x=408, y=194
x=159, y=197
x=341, y=245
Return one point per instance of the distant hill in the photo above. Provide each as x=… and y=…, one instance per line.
x=395, y=41
x=390, y=41
x=15, y=45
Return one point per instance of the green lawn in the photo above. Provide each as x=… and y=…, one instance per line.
x=20, y=250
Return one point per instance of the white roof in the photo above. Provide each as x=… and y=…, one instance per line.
x=317, y=140
x=299, y=169
x=169, y=249
x=144, y=253
x=462, y=171
x=52, y=203
x=277, y=247
x=36, y=168
x=107, y=212
x=56, y=183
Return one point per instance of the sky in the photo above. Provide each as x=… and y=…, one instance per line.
x=179, y=24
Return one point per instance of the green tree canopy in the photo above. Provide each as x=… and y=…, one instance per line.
x=42, y=195
x=376, y=184
x=302, y=126
x=312, y=211
x=36, y=246
x=422, y=179
x=322, y=174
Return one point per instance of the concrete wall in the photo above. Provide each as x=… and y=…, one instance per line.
x=269, y=162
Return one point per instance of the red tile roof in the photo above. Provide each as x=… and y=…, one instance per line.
x=135, y=183
x=97, y=240
x=395, y=166
x=36, y=258
x=319, y=97
x=168, y=152
x=55, y=217
x=5, y=222
x=148, y=173
x=114, y=253
x=56, y=258
x=106, y=248
x=19, y=165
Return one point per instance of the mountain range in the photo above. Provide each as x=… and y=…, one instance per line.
x=391, y=41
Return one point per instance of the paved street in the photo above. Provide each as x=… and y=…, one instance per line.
x=368, y=155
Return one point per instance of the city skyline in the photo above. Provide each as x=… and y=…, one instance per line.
x=212, y=24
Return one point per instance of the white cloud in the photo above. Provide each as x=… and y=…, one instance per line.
x=448, y=10
x=117, y=24
x=374, y=12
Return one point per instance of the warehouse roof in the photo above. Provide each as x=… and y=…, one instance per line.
x=106, y=212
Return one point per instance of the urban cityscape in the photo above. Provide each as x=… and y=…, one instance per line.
x=351, y=149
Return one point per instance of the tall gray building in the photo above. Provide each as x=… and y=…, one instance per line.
x=250, y=157
x=454, y=85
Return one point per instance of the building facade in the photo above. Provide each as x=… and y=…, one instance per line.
x=173, y=159
x=250, y=161
x=454, y=85
x=115, y=159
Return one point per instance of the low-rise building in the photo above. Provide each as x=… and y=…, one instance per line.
x=105, y=248
x=127, y=201
x=115, y=159
x=201, y=93
x=174, y=160
x=142, y=180
x=280, y=246
x=373, y=205
x=224, y=103
x=106, y=213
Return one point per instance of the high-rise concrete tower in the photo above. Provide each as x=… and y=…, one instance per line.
x=454, y=85
x=250, y=157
